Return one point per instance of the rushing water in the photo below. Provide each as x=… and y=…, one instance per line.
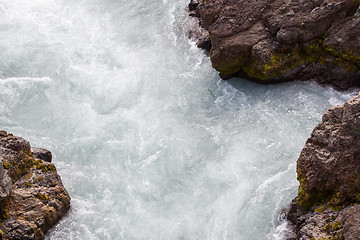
x=149, y=142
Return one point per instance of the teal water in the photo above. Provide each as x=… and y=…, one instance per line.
x=148, y=140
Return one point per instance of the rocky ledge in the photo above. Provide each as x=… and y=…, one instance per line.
x=327, y=206
x=33, y=198
x=276, y=40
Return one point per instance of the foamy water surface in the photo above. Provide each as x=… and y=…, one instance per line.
x=148, y=140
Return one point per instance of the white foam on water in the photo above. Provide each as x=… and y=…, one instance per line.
x=148, y=140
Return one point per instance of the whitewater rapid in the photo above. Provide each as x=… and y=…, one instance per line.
x=148, y=140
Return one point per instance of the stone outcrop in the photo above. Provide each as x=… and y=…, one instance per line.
x=33, y=198
x=329, y=165
x=196, y=31
x=324, y=223
x=41, y=153
x=276, y=40
x=329, y=175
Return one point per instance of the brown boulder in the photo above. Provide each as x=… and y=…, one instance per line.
x=275, y=40
x=329, y=165
x=38, y=199
x=193, y=27
x=329, y=174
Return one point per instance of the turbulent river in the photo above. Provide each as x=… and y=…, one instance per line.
x=148, y=140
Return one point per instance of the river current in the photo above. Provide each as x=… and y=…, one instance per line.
x=148, y=140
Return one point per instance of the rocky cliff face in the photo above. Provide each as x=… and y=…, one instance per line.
x=32, y=196
x=329, y=176
x=329, y=165
x=277, y=40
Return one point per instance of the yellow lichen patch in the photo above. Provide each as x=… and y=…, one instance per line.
x=279, y=63
x=4, y=209
x=42, y=196
x=320, y=209
x=45, y=167
x=24, y=166
x=5, y=215
x=282, y=61
x=333, y=226
x=6, y=164
x=349, y=56
x=356, y=197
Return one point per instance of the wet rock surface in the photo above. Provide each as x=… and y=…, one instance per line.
x=329, y=176
x=275, y=40
x=194, y=28
x=36, y=199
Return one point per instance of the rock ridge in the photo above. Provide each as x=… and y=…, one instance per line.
x=274, y=40
x=328, y=202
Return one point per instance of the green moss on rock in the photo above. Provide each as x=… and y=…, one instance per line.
x=44, y=167
x=320, y=209
x=333, y=226
x=281, y=62
x=349, y=58
x=4, y=209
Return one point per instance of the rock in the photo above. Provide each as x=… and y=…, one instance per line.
x=319, y=224
x=38, y=199
x=275, y=40
x=194, y=29
x=323, y=223
x=350, y=218
x=193, y=6
x=5, y=180
x=329, y=165
x=14, y=143
x=329, y=175
x=41, y=153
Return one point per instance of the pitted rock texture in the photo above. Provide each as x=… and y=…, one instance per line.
x=276, y=40
x=327, y=206
x=329, y=165
x=37, y=199
x=323, y=223
x=5, y=181
x=350, y=217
